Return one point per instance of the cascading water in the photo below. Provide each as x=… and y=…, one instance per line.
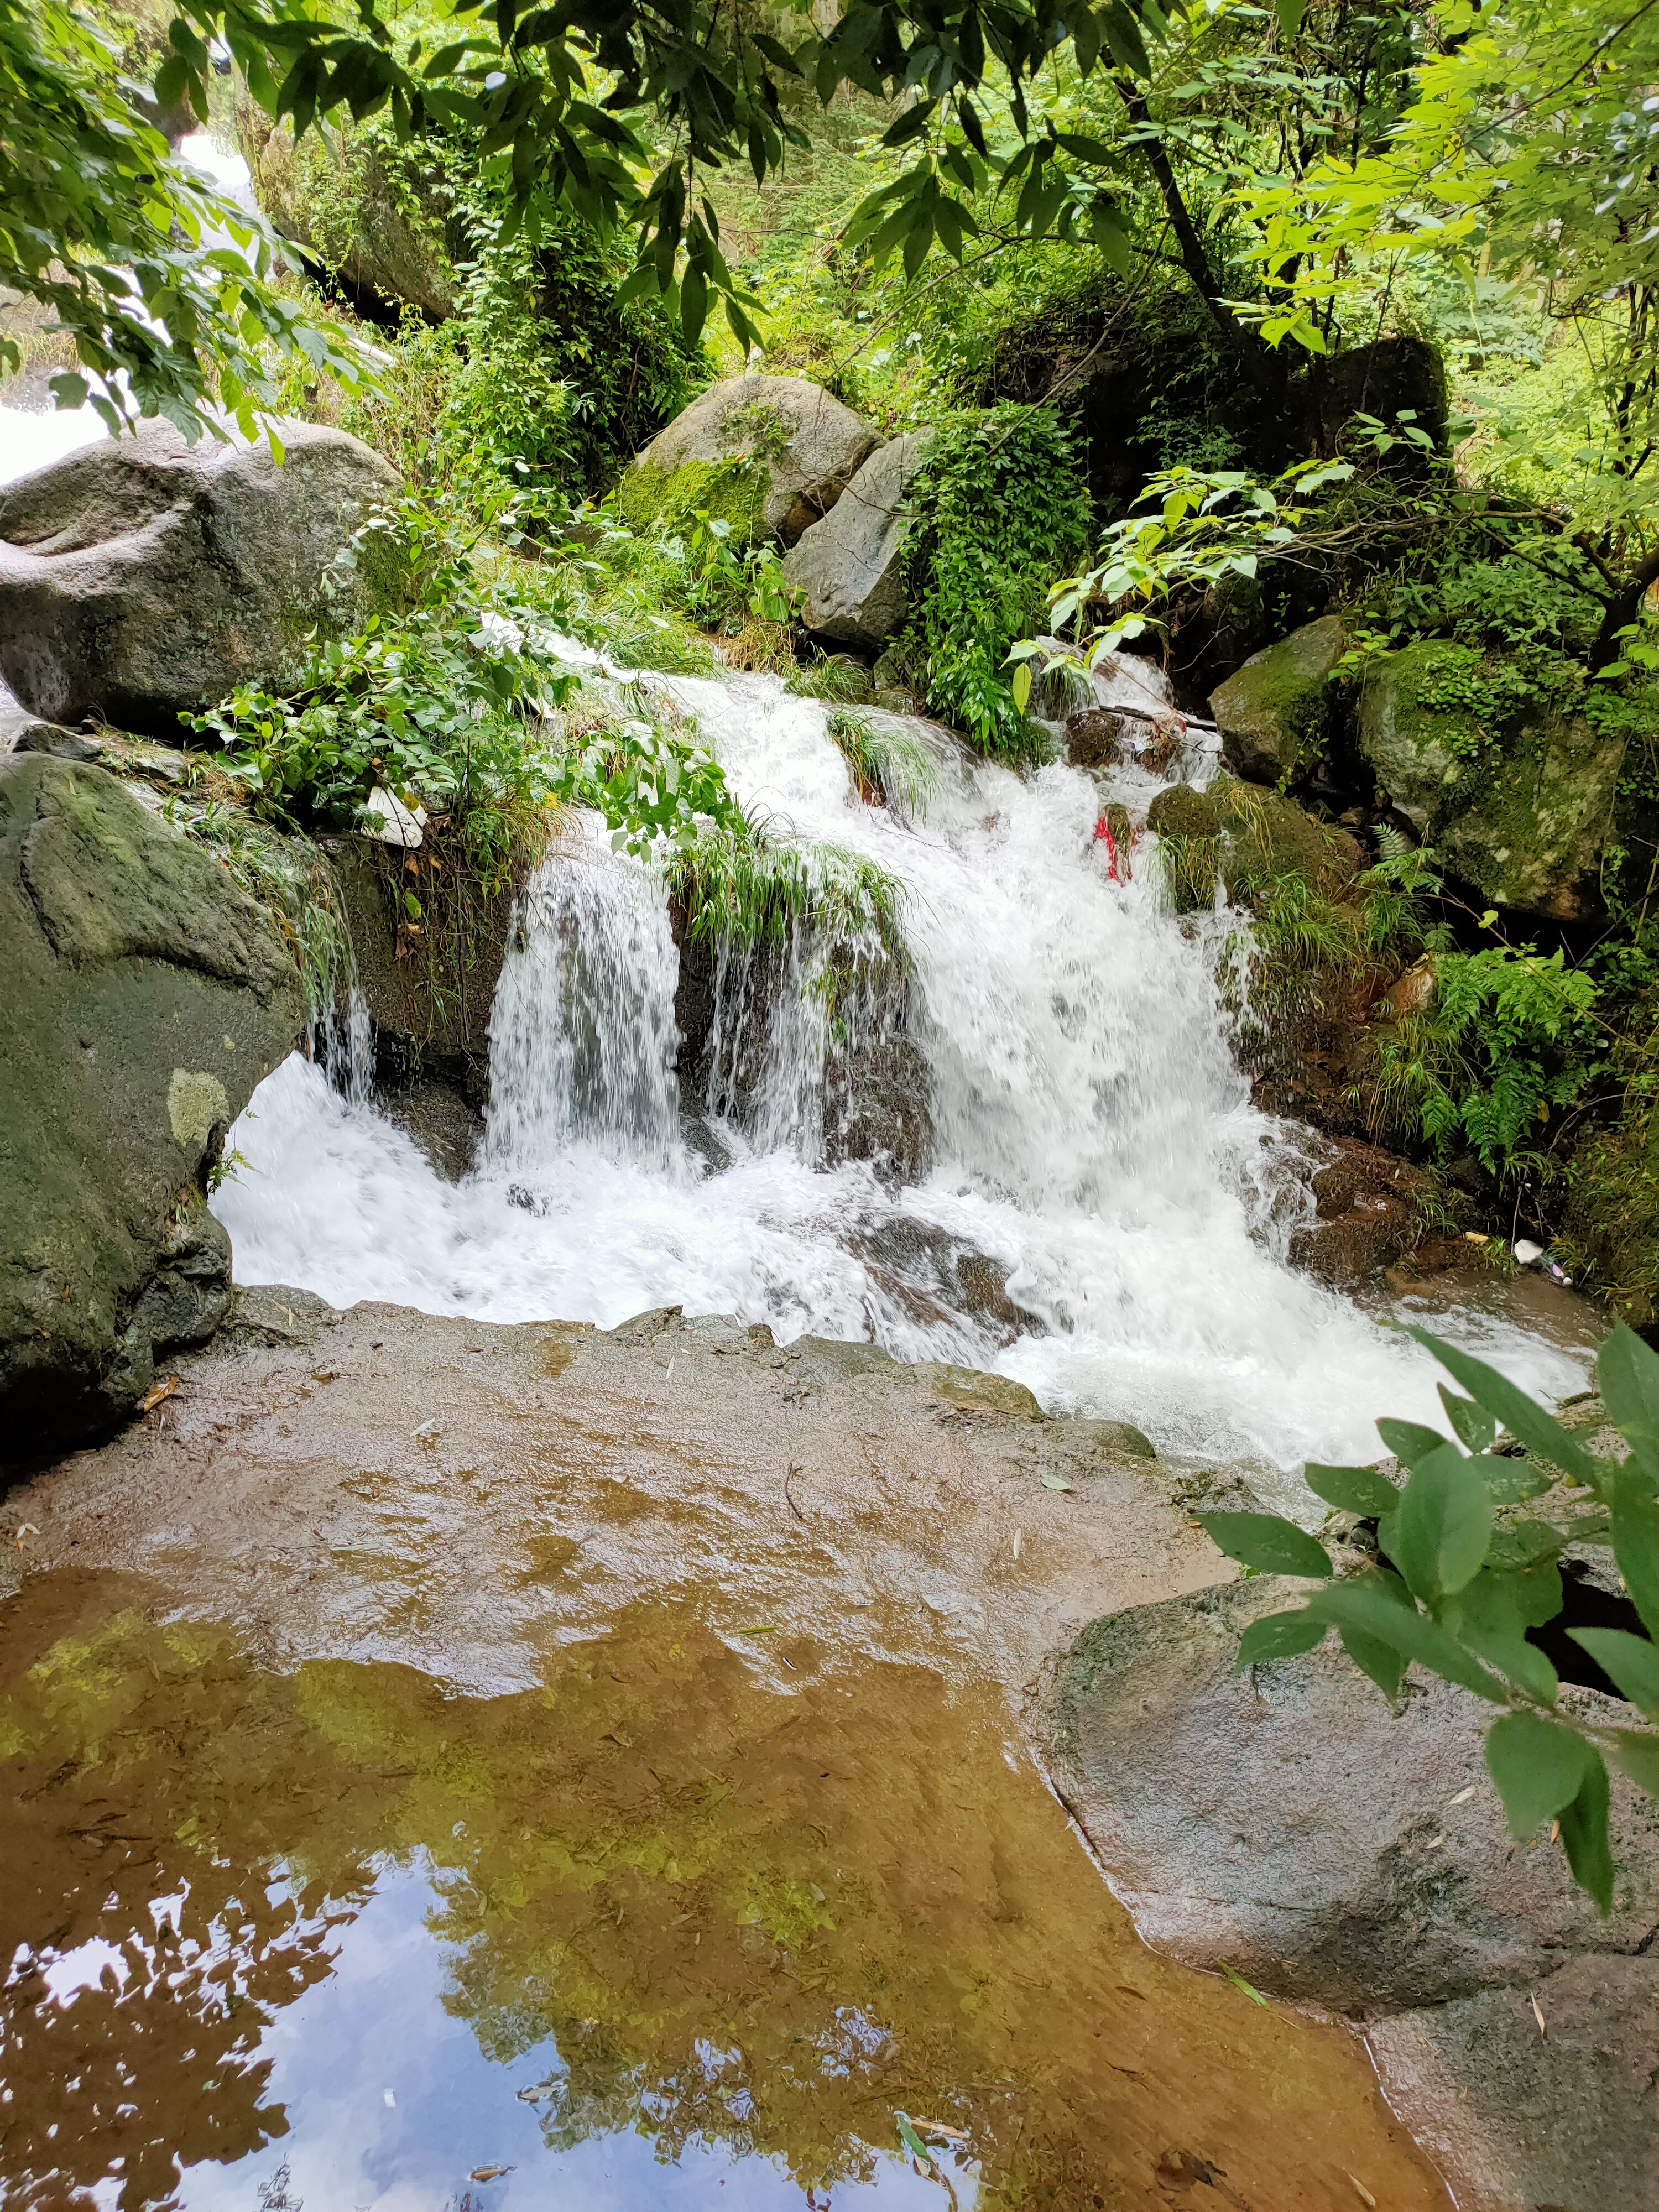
x=1094, y=1142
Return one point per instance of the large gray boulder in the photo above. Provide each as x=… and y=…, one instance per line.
x=145, y=998
x=1515, y=791
x=1273, y=714
x=142, y=579
x=1291, y=1822
x=851, y=565
x=769, y=454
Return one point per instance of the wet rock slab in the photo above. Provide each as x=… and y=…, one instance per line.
x=1335, y=1849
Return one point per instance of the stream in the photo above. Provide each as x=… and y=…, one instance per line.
x=1094, y=1137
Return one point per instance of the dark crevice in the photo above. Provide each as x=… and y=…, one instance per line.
x=1585, y=1604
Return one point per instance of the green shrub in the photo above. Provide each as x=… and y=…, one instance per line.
x=456, y=707
x=1464, y=1569
x=1000, y=505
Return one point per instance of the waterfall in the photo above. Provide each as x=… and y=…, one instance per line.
x=582, y=1036
x=1102, y=1214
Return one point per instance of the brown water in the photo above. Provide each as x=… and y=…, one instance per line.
x=688, y=1924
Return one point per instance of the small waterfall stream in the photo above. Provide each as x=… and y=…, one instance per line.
x=1096, y=1148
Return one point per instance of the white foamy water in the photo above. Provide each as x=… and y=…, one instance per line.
x=1094, y=1137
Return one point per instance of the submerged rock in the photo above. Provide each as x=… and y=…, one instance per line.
x=771, y=455
x=1273, y=715
x=1291, y=1822
x=1513, y=789
x=851, y=565
x=143, y=578
x=146, y=996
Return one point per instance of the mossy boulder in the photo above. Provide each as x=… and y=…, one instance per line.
x=143, y=578
x=771, y=455
x=1246, y=837
x=1273, y=714
x=1499, y=770
x=146, y=996
x=1611, y=1230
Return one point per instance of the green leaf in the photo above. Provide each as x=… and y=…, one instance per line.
x=1472, y=1424
x=1021, y=685
x=1238, y=1982
x=1409, y=1441
x=1636, y=1754
x=1278, y=1636
x=1584, y=1836
x=1267, y=1542
x=911, y=124
x=1628, y=1373
x=911, y=2141
x=1523, y=1417
x=1370, y=1603
x=1437, y=1534
x=1632, y=1660
x=1539, y=1765
x=1385, y=1666
x=1290, y=16
x=1352, y=1489
x=1636, y=1540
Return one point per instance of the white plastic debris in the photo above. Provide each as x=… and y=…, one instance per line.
x=1527, y=1252
x=392, y=822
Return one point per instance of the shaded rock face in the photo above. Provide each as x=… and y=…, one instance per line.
x=1396, y=376
x=1273, y=715
x=771, y=454
x=146, y=997
x=393, y=238
x=142, y=580
x=430, y=998
x=851, y=565
x=1290, y=1822
x=1367, y=1216
x=1517, y=801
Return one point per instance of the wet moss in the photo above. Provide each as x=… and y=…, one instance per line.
x=731, y=491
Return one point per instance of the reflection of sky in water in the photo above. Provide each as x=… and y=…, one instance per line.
x=392, y=2106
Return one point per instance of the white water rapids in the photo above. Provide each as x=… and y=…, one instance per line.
x=1093, y=1137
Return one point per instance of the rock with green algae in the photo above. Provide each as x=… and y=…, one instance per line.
x=1245, y=836
x=146, y=996
x=143, y=578
x=1611, y=1228
x=1273, y=714
x=770, y=455
x=1514, y=790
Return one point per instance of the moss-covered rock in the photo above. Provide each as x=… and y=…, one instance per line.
x=1611, y=1229
x=1188, y=826
x=1273, y=714
x=146, y=996
x=769, y=454
x=1512, y=787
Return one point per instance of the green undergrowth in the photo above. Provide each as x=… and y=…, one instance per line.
x=888, y=766
x=747, y=889
x=997, y=502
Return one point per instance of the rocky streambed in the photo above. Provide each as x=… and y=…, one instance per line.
x=574, y=1740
